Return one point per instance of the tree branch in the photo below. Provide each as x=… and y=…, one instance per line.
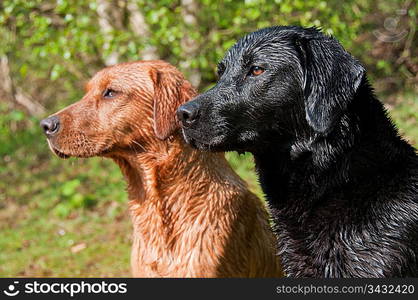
x=16, y=94
x=140, y=28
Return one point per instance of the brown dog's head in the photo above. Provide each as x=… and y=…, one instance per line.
x=125, y=106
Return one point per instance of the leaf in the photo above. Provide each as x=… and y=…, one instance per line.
x=69, y=187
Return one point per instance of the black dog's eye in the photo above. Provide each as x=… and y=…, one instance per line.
x=109, y=93
x=256, y=71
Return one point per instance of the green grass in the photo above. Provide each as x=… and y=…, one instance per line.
x=42, y=245
x=48, y=205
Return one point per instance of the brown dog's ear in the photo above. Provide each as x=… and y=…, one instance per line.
x=170, y=91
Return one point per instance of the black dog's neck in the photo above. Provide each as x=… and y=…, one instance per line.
x=320, y=163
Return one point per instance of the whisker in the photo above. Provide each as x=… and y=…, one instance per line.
x=135, y=142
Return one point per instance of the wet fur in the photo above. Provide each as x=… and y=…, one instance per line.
x=192, y=215
x=340, y=181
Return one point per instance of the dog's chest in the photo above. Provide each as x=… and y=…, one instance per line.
x=336, y=251
x=183, y=254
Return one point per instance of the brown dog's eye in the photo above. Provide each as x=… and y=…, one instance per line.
x=109, y=93
x=256, y=71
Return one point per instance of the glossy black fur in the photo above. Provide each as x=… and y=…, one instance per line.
x=340, y=182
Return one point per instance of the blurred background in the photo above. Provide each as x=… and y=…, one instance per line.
x=69, y=218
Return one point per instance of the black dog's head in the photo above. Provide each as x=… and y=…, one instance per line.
x=274, y=83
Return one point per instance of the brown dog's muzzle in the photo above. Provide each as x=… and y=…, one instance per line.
x=51, y=126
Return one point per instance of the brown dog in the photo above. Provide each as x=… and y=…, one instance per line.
x=192, y=215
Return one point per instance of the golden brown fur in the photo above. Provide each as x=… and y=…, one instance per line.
x=192, y=215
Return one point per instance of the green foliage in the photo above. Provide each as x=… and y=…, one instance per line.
x=244, y=166
x=63, y=38
x=72, y=199
x=405, y=116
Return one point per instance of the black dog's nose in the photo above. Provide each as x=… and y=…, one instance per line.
x=188, y=113
x=50, y=125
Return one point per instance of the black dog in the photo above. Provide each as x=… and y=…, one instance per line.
x=340, y=182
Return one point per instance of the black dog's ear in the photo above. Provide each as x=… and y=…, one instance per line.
x=331, y=78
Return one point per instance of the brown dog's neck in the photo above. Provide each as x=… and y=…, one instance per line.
x=154, y=175
x=183, y=204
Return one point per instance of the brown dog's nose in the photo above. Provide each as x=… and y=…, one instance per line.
x=50, y=125
x=188, y=113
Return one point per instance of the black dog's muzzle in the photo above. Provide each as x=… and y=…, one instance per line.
x=188, y=113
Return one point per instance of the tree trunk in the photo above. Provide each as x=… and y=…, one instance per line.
x=189, y=46
x=110, y=18
x=10, y=92
x=140, y=28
